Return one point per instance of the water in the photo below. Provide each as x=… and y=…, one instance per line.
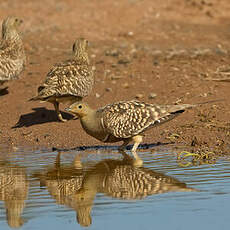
x=102, y=191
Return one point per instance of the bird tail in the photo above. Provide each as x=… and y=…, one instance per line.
x=218, y=79
x=182, y=107
x=208, y=102
x=37, y=98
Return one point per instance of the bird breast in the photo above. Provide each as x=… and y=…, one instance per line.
x=92, y=125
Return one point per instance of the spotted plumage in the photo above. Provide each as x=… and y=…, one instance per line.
x=68, y=81
x=125, y=121
x=120, y=179
x=124, y=181
x=12, y=54
x=76, y=186
x=14, y=188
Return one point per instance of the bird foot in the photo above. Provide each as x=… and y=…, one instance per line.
x=60, y=118
x=75, y=118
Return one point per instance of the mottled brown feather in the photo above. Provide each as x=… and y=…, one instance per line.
x=14, y=188
x=69, y=78
x=124, y=181
x=129, y=118
x=12, y=54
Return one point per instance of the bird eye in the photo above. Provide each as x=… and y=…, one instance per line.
x=16, y=19
x=80, y=106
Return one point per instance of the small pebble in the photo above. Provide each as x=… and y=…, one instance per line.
x=107, y=71
x=114, y=65
x=157, y=52
x=133, y=50
x=130, y=33
x=126, y=85
x=97, y=95
x=115, y=77
x=108, y=89
x=123, y=61
x=152, y=95
x=113, y=53
x=100, y=62
x=139, y=96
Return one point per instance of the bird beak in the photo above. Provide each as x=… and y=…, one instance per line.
x=68, y=109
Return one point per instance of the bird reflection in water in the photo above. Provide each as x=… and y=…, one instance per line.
x=77, y=187
x=13, y=191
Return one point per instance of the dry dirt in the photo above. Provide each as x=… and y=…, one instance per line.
x=158, y=51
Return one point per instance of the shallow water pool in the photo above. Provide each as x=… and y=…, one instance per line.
x=101, y=190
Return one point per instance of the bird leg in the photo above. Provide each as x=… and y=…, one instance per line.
x=75, y=117
x=121, y=149
x=125, y=143
x=58, y=160
x=77, y=162
x=56, y=106
x=126, y=158
x=137, y=140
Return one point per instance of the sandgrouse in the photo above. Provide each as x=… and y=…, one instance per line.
x=124, y=121
x=12, y=54
x=68, y=81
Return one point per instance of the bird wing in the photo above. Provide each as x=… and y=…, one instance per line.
x=10, y=68
x=11, y=50
x=137, y=183
x=12, y=60
x=127, y=119
x=5, y=48
x=68, y=78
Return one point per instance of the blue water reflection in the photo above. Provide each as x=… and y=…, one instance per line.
x=104, y=191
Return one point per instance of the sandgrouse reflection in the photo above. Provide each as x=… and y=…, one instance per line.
x=120, y=179
x=13, y=191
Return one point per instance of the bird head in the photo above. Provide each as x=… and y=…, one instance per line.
x=80, y=48
x=10, y=25
x=80, y=45
x=79, y=108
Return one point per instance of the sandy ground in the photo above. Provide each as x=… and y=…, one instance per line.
x=157, y=51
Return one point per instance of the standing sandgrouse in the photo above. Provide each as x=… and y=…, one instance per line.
x=125, y=121
x=12, y=54
x=68, y=81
